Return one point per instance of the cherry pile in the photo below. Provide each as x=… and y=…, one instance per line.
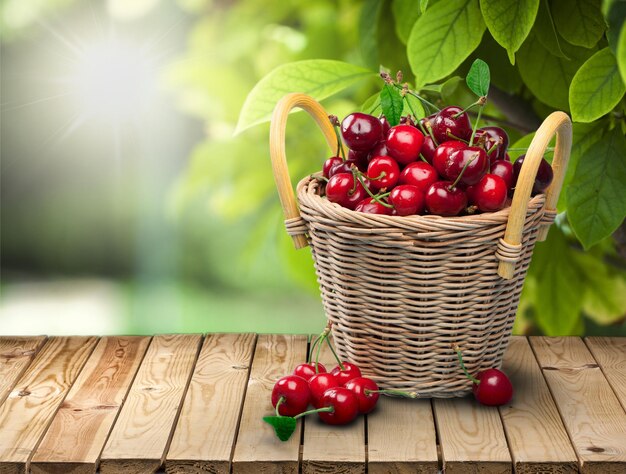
x=337, y=397
x=437, y=165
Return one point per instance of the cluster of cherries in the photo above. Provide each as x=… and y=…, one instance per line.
x=436, y=165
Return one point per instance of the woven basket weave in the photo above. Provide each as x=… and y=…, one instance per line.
x=401, y=290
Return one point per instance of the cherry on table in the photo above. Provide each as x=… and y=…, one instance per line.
x=419, y=174
x=318, y=384
x=448, y=126
x=404, y=143
x=504, y=169
x=544, y=176
x=372, y=206
x=361, y=131
x=344, y=403
x=407, y=200
x=366, y=391
x=295, y=394
x=490, y=193
x=445, y=200
x=383, y=172
x=329, y=164
x=342, y=189
x=443, y=152
x=494, y=388
x=307, y=370
x=349, y=372
x=470, y=163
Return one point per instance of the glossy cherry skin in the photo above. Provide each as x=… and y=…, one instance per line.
x=361, y=131
x=371, y=206
x=504, y=169
x=444, y=200
x=428, y=149
x=383, y=172
x=318, y=384
x=329, y=164
x=471, y=161
x=404, y=143
x=446, y=127
x=359, y=158
x=349, y=372
x=345, y=404
x=494, y=389
x=385, y=124
x=367, y=401
x=307, y=370
x=341, y=189
x=296, y=392
x=380, y=149
x=490, y=193
x=419, y=174
x=495, y=140
x=542, y=179
x=407, y=200
x=443, y=152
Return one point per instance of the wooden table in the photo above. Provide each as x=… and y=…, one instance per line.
x=188, y=403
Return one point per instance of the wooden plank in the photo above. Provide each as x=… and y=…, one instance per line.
x=80, y=428
x=610, y=353
x=16, y=353
x=471, y=437
x=536, y=436
x=592, y=414
x=257, y=449
x=401, y=437
x=217, y=390
x=338, y=449
x=142, y=432
x=29, y=408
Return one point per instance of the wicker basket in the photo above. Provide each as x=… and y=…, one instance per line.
x=401, y=290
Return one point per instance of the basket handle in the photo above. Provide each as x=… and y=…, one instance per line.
x=279, y=158
x=509, y=248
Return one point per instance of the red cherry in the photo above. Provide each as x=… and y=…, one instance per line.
x=447, y=127
x=385, y=124
x=345, y=404
x=342, y=190
x=542, y=179
x=371, y=206
x=359, y=158
x=494, y=388
x=349, y=372
x=329, y=164
x=419, y=174
x=443, y=152
x=295, y=392
x=407, y=200
x=430, y=119
x=361, y=131
x=383, y=172
x=471, y=161
x=380, y=149
x=504, y=169
x=428, y=149
x=307, y=370
x=366, y=401
x=444, y=200
x=490, y=193
x=404, y=143
x=318, y=384
x=495, y=141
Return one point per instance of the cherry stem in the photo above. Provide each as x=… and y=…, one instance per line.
x=332, y=349
x=480, y=102
x=374, y=197
x=279, y=403
x=320, y=339
x=462, y=364
x=380, y=176
x=310, y=354
x=480, y=111
x=330, y=409
x=393, y=392
x=499, y=142
x=335, y=123
x=456, y=181
x=423, y=159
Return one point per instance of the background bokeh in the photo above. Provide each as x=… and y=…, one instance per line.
x=129, y=206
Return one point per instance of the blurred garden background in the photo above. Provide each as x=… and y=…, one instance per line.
x=129, y=203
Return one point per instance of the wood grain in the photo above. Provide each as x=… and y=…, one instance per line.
x=610, y=353
x=257, y=448
x=401, y=437
x=592, y=414
x=16, y=353
x=205, y=434
x=141, y=435
x=338, y=449
x=82, y=423
x=29, y=408
x=536, y=436
x=471, y=437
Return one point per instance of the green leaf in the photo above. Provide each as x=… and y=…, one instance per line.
x=478, y=78
x=615, y=15
x=621, y=53
x=284, y=426
x=368, y=32
x=371, y=104
x=503, y=74
x=579, y=21
x=423, y=5
x=596, y=88
x=444, y=89
x=605, y=293
x=443, y=37
x=547, y=76
x=509, y=21
x=596, y=200
x=412, y=105
x=391, y=103
x=405, y=14
x=559, y=291
x=320, y=78
x=546, y=31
